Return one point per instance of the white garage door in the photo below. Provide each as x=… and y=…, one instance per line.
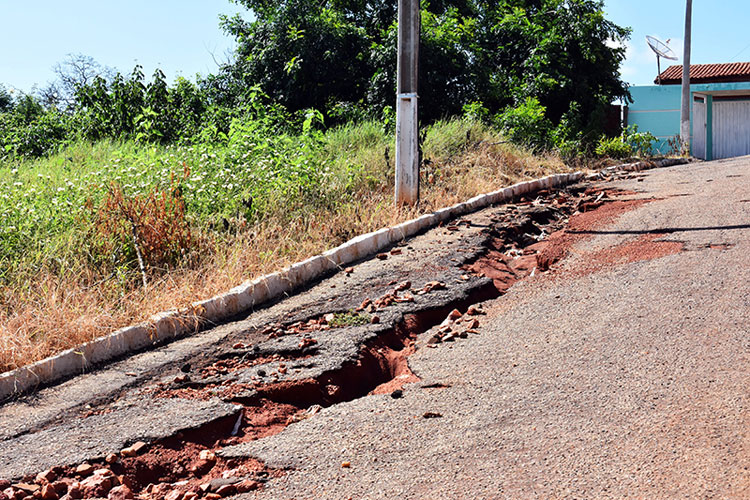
x=731, y=123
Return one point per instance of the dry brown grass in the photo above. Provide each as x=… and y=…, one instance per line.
x=56, y=312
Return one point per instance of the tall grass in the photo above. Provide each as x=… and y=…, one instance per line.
x=253, y=205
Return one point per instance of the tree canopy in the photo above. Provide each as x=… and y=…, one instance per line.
x=336, y=55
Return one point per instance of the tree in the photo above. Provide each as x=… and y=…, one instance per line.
x=77, y=70
x=6, y=100
x=320, y=54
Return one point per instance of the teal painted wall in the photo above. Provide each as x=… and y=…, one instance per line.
x=656, y=109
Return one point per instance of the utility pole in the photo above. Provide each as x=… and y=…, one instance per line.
x=407, y=118
x=685, y=109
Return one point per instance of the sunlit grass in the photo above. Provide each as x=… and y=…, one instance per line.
x=254, y=206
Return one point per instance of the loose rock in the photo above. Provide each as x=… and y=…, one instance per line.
x=121, y=492
x=48, y=492
x=27, y=488
x=47, y=476
x=245, y=486
x=75, y=490
x=97, y=486
x=226, y=490
x=131, y=451
x=174, y=495
x=85, y=469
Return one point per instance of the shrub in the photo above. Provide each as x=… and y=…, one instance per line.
x=629, y=143
x=640, y=142
x=526, y=124
x=613, y=147
x=34, y=136
x=152, y=226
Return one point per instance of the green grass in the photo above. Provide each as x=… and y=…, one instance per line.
x=259, y=202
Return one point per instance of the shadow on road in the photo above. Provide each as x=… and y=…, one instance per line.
x=665, y=230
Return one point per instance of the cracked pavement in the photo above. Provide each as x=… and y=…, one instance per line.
x=622, y=371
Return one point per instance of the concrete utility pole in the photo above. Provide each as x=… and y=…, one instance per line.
x=685, y=109
x=407, y=122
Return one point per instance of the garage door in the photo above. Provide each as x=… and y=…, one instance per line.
x=731, y=123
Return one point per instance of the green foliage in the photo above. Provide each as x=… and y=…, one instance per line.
x=640, y=142
x=339, y=54
x=349, y=318
x=302, y=54
x=81, y=203
x=526, y=124
x=28, y=130
x=476, y=111
x=629, y=143
x=510, y=58
x=6, y=100
x=614, y=147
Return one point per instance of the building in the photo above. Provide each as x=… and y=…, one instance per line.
x=719, y=111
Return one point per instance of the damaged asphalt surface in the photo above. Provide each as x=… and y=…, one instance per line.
x=620, y=371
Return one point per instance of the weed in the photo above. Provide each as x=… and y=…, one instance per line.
x=349, y=319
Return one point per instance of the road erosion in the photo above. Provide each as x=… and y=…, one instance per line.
x=588, y=343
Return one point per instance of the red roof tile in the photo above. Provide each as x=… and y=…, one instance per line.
x=707, y=73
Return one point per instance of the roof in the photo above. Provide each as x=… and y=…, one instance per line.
x=707, y=73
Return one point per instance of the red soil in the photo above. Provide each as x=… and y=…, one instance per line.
x=558, y=245
x=646, y=247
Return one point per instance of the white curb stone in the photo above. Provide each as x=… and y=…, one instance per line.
x=243, y=298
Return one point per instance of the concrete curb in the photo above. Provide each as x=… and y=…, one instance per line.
x=168, y=325
x=639, y=166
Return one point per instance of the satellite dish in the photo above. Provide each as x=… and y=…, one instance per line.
x=661, y=49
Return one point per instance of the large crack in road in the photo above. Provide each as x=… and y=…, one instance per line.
x=159, y=424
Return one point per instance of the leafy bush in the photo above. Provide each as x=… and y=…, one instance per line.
x=526, y=124
x=476, y=111
x=640, y=142
x=32, y=136
x=629, y=143
x=613, y=147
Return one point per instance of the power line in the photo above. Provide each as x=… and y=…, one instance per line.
x=740, y=52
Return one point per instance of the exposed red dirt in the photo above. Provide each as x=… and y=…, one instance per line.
x=558, y=245
x=268, y=418
x=180, y=467
x=646, y=247
x=399, y=366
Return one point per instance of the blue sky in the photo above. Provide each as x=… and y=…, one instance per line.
x=721, y=32
x=177, y=36
x=180, y=36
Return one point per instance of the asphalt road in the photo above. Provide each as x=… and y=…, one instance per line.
x=620, y=373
